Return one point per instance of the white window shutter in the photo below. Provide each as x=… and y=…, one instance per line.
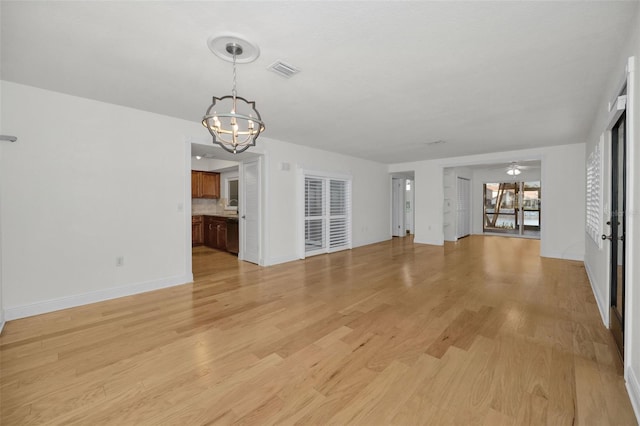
x=327, y=221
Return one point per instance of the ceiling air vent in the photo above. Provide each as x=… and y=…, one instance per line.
x=283, y=69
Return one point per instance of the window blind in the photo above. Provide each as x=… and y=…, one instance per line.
x=593, y=219
x=327, y=214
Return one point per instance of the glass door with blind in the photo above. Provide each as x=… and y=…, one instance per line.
x=512, y=208
x=327, y=215
x=617, y=227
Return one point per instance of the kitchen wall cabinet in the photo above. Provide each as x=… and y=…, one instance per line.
x=205, y=184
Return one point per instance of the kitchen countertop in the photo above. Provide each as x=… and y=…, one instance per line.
x=221, y=215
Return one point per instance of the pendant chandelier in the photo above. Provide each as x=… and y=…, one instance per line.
x=233, y=121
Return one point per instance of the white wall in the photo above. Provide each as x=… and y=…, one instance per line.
x=87, y=182
x=563, y=193
x=3, y=131
x=94, y=181
x=1, y=269
x=370, y=192
x=596, y=258
x=449, y=206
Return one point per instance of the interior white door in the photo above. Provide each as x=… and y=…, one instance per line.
x=250, y=211
x=464, y=207
x=409, y=201
x=397, y=209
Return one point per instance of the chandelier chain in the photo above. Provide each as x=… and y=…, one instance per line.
x=234, y=92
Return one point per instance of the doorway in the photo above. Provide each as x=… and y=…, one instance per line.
x=402, y=203
x=239, y=198
x=398, y=207
x=616, y=223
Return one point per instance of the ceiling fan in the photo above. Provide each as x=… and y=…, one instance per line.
x=514, y=168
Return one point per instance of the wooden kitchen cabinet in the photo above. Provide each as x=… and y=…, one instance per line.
x=210, y=185
x=197, y=231
x=205, y=184
x=208, y=241
x=215, y=232
x=221, y=234
x=233, y=240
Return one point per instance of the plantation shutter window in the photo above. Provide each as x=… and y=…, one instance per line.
x=327, y=214
x=314, y=214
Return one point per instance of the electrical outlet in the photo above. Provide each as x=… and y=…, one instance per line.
x=120, y=261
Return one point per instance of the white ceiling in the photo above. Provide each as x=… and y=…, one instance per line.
x=379, y=79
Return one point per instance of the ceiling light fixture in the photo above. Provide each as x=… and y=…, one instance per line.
x=234, y=122
x=513, y=170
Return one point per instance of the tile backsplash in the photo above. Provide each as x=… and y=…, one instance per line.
x=206, y=206
x=210, y=207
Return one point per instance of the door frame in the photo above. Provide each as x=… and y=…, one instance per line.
x=469, y=206
x=631, y=188
x=617, y=325
x=398, y=195
x=185, y=206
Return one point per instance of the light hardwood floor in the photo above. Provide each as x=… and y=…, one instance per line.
x=481, y=332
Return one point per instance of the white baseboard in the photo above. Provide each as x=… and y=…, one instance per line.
x=564, y=255
x=633, y=389
x=368, y=242
x=600, y=300
x=1, y=325
x=281, y=259
x=429, y=242
x=290, y=258
x=16, y=312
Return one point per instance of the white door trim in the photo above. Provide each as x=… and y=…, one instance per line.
x=632, y=183
x=397, y=207
x=186, y=201
x=242, y=254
